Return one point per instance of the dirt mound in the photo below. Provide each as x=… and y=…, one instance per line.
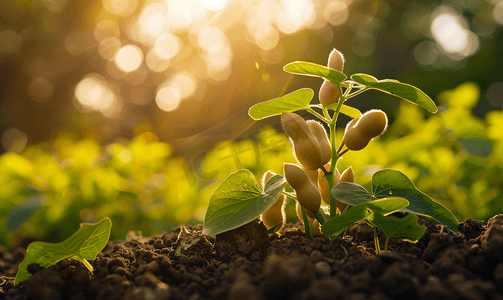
x=184, y=264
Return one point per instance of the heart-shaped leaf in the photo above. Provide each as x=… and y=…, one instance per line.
x=294, y=101
x=312, y=69
x=83, y=245
x=239, y=200
x=393, y=183
x=404, y=91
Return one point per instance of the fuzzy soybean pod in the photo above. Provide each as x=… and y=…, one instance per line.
x=306, y=147
x=321, y=136
x=347, y=176
x=359, y=133
x=274, y=214
x=323, y=183
x=336, y=60
x=329, y=93
x=308, y=195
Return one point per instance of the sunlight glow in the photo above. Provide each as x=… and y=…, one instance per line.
x=450, y=31
x=182, y=14
x=214, y=5
x=168, y=98
x=129, y=58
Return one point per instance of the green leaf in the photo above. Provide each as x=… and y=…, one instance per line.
x=239, y=200
x=312, y=69
x=405, y=228
x=388, y=205
x=347, y=110
x=404, y=91
x=351, y=193
x=294, y=101
x=393, y=183
x=337, y=225
x=83, y=245
x=363, y=211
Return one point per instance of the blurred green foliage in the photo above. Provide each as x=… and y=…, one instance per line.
x=48, y=189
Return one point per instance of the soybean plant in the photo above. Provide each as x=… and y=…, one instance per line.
x=315, y=177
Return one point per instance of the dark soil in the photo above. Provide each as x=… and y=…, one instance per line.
x=247, y=264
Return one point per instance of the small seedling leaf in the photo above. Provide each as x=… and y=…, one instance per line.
x=363, y=211
x=405, y=228
x=239, y=200
x=294, y=101
x=392, y=183
x=312, y=69
x=404, y=91
x=351, y=193
x=83, y=245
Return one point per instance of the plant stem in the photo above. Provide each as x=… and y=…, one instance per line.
x=321, y=217
x=335, y=157
x=312, y=111
x=376, y=241
x=357, y=92
x=294, y=197
x=84, y=262
x=306, y=223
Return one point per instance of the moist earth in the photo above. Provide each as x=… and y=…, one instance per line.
x=246, y=263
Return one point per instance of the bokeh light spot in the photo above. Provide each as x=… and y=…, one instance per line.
x=105, y=29
x=425, y=53
x=129, y=58
x=155, y=63
x=185, y=83
x=40, y=89
x=498, y=12
x=336, y=12
x=212, y=39
x=152, y=19
x=449, y=29
x=167, y=46
x=120, y=7
x=168, y=98
x=93, y=93
x=109, y=47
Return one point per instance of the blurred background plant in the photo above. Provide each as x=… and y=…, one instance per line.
x=137, y=110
